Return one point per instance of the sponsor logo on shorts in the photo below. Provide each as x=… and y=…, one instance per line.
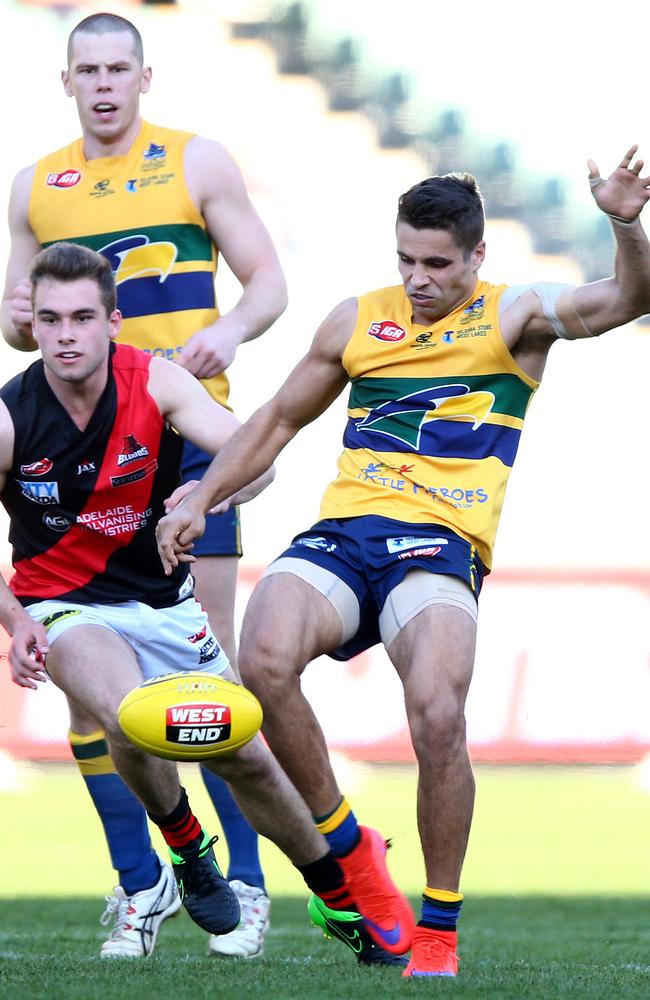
x=132, y=185
x=64, y=179
x=432, y=550
x=209, y=651
x=316, y=542
x=404, y=542
x=58, y=616
x=132, y=450
x=387, y=331
x=198, y=635
x=133, y=477
x=85, y=466
x=197, y=724
x=43, y=493
x=40, y=468
x=57, y=522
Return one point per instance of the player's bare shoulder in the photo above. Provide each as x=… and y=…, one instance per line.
x=21, y=190
x=210, y=169
x=336, y=329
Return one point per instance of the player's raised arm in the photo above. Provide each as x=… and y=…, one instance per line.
x=592, y=309
x=217, y=187
x=16, y=309
x=310, y=388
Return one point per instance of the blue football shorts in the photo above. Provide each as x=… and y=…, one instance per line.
x=222, y=531
x=373, y=555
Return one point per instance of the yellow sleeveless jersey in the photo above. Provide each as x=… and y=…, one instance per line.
x=434, y=417
x=137, y=211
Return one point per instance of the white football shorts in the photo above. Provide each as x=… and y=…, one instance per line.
x=164, y=640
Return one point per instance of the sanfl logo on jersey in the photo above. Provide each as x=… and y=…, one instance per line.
x=474, y=310
x=154, y=152
x=387, y=331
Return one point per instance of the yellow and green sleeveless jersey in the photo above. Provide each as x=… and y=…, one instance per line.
x=137, y=211
x=434, y=416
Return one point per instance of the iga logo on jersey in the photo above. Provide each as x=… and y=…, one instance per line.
x=387, y=331
x=65, y=179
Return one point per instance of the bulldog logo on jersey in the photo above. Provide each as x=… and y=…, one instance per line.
x=387, y=331
x=131, y=450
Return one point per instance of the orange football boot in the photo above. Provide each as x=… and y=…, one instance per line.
x=434, y=953
x=386, y=913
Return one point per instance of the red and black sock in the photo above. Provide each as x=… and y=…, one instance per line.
x=180, y=827
x=325, y=878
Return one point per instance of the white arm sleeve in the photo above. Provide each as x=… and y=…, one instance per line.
x=548, y=292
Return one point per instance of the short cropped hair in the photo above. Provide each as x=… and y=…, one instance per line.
x=66, y=262
x=448, y=201
x=102, y=24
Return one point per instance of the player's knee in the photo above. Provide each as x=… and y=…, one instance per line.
x=437, y=726
x=263, y=665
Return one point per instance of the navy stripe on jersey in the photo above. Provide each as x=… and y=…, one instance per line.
x=442, y=438
x=149, y=296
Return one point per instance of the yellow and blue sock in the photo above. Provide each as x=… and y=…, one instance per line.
x=440, y=909
x=243, y=844
x=123, y=817
x=340, y=829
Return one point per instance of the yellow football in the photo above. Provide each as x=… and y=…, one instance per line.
x=190, y=716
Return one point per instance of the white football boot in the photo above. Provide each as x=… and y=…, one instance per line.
x=137, y=918
x=247, y=939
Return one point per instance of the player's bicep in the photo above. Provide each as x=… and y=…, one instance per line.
x=24, y=245
x=319, y=377
x=189, y=408
x=231, y=219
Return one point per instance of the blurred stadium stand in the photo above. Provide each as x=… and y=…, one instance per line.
x=306, y=40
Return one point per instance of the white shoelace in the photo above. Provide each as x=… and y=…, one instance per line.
x=117, y=910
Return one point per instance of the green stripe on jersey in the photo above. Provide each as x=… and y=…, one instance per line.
x=511, y=394
x=192, y=242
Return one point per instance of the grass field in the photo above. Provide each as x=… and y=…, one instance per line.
x=557, y=886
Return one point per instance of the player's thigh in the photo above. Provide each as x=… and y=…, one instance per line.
x=289, y=621
x=434, y=657
x=94, y=667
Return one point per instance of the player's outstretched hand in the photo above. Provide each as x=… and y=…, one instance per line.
x=29, y=647
x=624, y=193
x=175, y=536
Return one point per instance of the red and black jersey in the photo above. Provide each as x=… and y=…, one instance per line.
x=84, y=504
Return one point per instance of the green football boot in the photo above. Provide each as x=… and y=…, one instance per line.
x=347, y=926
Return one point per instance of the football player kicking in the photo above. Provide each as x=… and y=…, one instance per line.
x=442, y=368
x=90, y=447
